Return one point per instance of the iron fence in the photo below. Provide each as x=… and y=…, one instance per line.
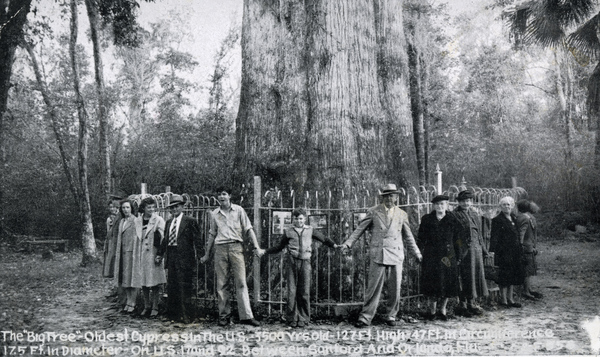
x=338, y=278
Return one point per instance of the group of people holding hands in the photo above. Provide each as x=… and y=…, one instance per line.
x=450, y=246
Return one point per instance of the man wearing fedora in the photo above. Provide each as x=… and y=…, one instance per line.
x=389, y=233
x=181, y=238
x=228, y=225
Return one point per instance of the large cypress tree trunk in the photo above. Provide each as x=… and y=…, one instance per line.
x=13, y=15
x=324, y=98
x=87, y=232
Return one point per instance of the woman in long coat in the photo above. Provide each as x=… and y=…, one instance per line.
x=127, y=235
x=439, y=272
x=471, y=250
x=110, y=243
x=151, y=270
x=528, y=235
x=506, y=244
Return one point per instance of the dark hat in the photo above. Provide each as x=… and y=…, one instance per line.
x=439, y=198
x=389, y=189
x=463, y=195
x=176, y=200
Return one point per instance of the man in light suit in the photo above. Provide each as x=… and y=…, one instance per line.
x=180, y=243
x=389, y=232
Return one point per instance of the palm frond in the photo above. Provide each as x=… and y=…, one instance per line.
x=544, y=29
x=571, y=12
x=584, y=41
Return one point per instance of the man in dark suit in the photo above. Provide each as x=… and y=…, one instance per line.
x=389, y=233
x=179, y=245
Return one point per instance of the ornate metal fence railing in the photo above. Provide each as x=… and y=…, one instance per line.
x=338, y=278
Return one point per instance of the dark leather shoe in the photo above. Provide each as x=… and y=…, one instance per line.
x=223, y=322
x=301, y=324
x=361, y=324
x=441, y=316
x=515, y=304
x=251, y=322
x=394, y=322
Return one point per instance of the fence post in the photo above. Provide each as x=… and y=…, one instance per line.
x=258, y=232
x=513, y=181
x=438, y=177
x=143, y=189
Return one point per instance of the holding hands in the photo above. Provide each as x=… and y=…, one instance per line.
x=260, y=252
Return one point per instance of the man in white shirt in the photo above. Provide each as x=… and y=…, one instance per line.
x=228, y=225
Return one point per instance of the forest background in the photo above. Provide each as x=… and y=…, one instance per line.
x=146, y=92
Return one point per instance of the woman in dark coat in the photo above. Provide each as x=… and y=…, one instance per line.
x=439, y=272
x=506, y=245
x=471, y=250
x=528, y=237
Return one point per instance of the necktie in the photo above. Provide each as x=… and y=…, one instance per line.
x=173, y=233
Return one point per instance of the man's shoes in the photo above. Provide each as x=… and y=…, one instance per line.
x=361, y=324
x=529, y=297
x=223, y=321
x=301, y=324
x=393, y=322
x=251, y=322
x=145, y=312
x=292, y=324
x=514, y=304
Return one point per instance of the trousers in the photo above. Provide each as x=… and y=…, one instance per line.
x=230, y=257
x=379, y=275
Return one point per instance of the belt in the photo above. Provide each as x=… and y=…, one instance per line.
x=236, y=242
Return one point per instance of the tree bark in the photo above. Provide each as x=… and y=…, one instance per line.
x=564, y=89
x=13, y=15
x=87, y=233
x=324, y=96
x=92, y=11
x=52, y=113
x=416, y=105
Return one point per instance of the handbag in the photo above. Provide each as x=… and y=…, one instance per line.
x=490, y=270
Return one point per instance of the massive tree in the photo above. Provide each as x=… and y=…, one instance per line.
x=324, y=99
x=13, y=15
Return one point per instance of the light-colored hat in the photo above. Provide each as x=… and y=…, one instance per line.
x=389, y=189
x=176, y=200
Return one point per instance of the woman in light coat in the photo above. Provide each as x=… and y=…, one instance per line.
x=127, y=235
x=151, y=270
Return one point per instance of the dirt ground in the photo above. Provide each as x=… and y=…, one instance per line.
x=54, y=307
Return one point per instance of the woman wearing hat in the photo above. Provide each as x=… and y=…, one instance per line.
x=439, y=272
x=508, y=252
x=128, y=233
x=151, y=270
x=471, y=250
